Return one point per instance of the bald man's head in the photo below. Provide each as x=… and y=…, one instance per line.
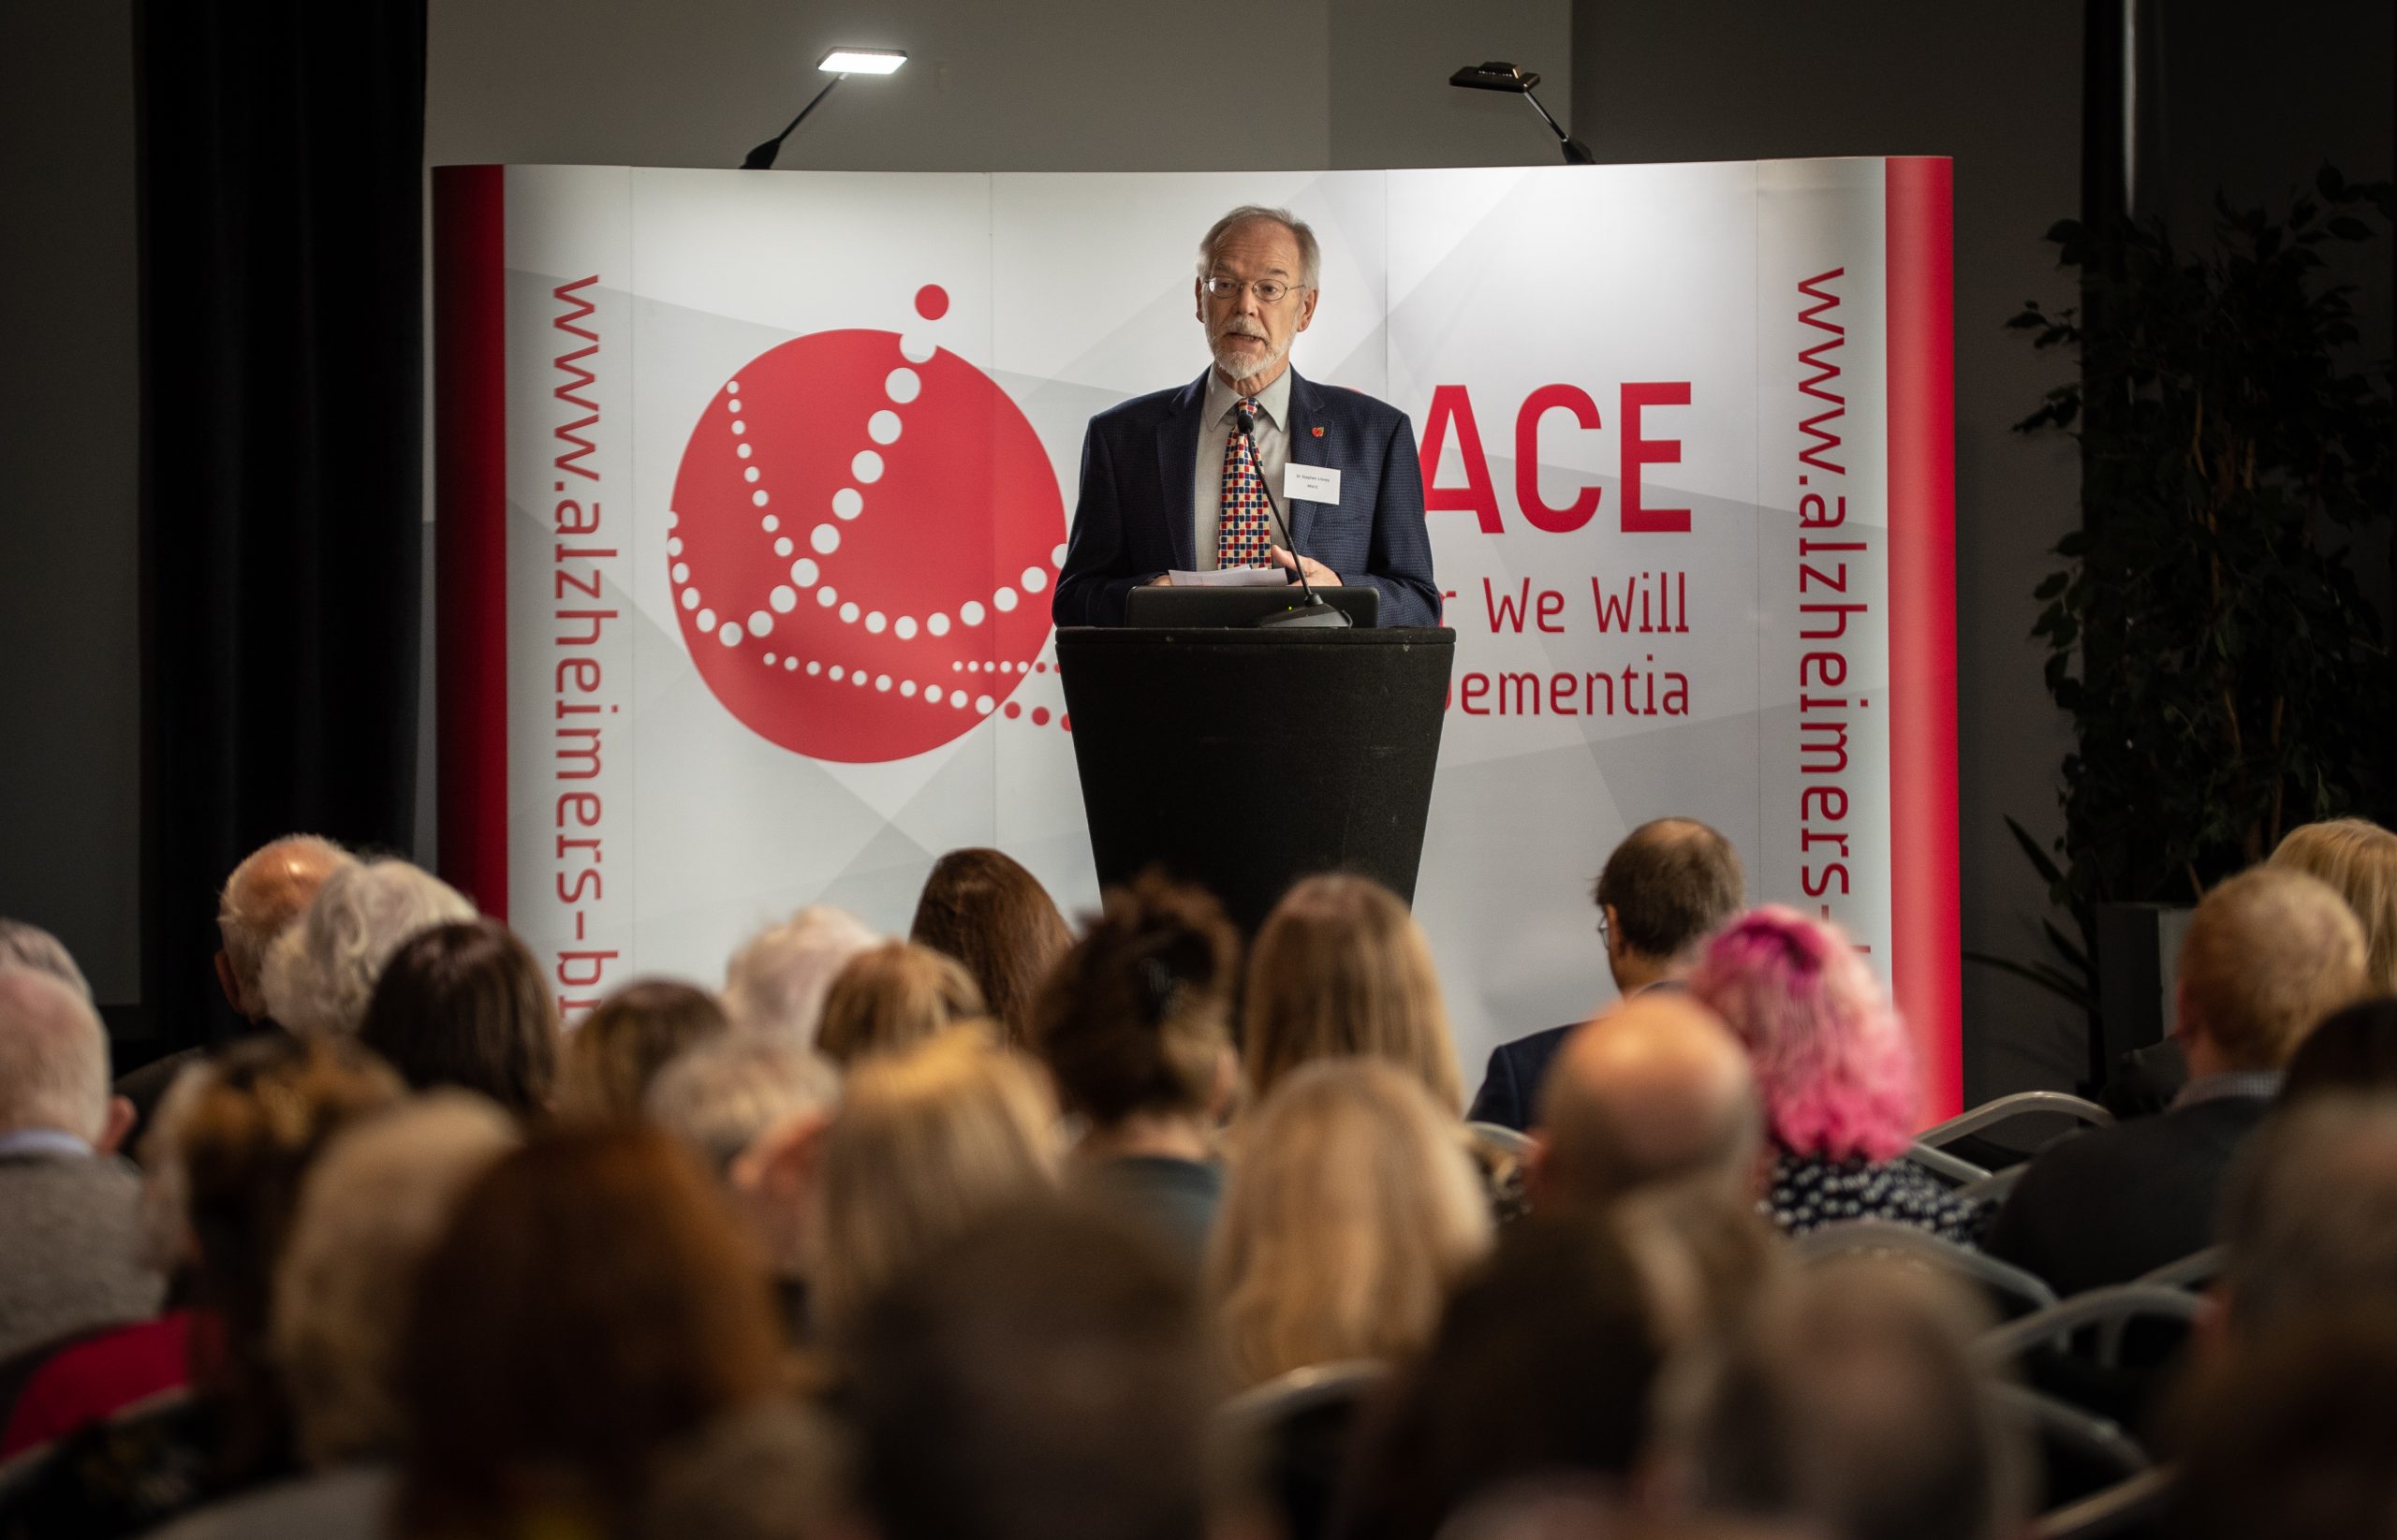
x=1656, y=1089
x=268, y=891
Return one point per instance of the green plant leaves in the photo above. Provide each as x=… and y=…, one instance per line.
x=2226, y=677
x=2074, y=991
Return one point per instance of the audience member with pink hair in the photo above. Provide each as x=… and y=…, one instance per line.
x=1835, y=1073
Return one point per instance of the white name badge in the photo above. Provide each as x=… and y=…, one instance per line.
x=1310, y=483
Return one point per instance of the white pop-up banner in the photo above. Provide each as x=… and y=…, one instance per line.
x=752, y=489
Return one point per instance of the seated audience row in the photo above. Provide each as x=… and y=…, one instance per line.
x=231, y=1144
x=2358, y=861
x=999, y=1258
x=2269, y=954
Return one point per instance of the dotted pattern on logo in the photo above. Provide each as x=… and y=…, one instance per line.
x=863, y=532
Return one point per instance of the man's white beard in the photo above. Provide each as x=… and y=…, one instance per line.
x=1238, y=366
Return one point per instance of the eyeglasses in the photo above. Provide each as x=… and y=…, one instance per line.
x=1269, y=291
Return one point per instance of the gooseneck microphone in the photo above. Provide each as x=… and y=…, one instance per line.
x=1315, y=610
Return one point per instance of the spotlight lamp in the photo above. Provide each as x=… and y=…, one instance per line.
x=861, y=61
x=841, y=63
x=1498, y=75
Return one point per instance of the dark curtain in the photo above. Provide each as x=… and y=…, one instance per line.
x=281, y=148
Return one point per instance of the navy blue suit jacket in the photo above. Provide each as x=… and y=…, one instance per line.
x=1509, y=1095
x=1140, y=460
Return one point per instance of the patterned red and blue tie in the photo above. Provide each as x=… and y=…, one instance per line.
x=1243, y=531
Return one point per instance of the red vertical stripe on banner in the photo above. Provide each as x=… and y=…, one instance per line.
x=470, y=527
x=1926, y=929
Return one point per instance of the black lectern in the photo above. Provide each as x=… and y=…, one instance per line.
x=1244, y=760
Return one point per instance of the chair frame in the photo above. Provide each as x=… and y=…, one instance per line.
x=1850, y=1237
x=1993, y=1188
x=1930, y=1148
x=2110, y=1309
x=2023, y=1104
x=2139, y=1501
x=1948, y=1167
x=2099, y=1437
x=2194, y=1272
x=1299, y=1390
x=1499, y=1136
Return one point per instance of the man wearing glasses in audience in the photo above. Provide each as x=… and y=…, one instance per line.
x=1179, y=480
x=1664, y=892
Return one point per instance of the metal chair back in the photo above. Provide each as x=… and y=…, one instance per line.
x=1881, y=1237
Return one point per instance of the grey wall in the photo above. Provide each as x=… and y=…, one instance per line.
x=1052, y=85
x=1999, y=89
x=1391, y=104
x=69, y=435
x=2330, y=76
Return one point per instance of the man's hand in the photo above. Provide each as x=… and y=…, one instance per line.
x=1317, y=574
x=1163, y=580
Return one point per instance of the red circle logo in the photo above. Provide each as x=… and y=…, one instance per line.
x=863, y=534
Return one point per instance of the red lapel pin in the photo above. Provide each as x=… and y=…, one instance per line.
x=1319, y=432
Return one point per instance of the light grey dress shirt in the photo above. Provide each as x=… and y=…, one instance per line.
x=1215, y=431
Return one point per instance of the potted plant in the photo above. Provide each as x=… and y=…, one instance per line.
x=2226, y=677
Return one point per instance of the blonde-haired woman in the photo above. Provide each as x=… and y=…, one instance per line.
x=627, y=1041
x=925, y=1142
x=1353, y=1206
x=2357, y=857
x=1340, y=971
x=893, y=997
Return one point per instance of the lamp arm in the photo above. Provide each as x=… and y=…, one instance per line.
x=762, y=158
x=1576, y=153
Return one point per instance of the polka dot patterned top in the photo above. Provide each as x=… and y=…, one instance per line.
x=1808, y=1192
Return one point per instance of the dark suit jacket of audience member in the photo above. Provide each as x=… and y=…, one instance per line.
x=1509, y=1093
x=146, y=1087
x=2109, y=1203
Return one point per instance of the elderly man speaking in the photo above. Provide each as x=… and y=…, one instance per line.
x=1178, y=481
